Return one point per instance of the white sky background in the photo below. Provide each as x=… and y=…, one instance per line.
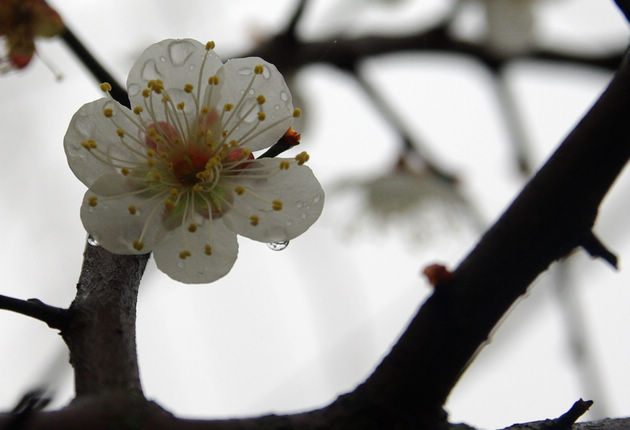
x=290, y=330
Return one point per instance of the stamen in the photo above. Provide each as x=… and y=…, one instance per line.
x=276, y=205
x=210, y=45
x=284, y=165
x=132, y=209
x=138, y=244
x=92, y=201
x=108, y=112
x=192, y=227
x=302, y=158
x=253, y=220
x=106, y=87
x=184, y=254
x=208, y=250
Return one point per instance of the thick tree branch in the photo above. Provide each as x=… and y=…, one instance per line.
x=51, y=315
x=101, y=334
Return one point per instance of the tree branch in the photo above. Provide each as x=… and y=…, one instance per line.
x=55, y=317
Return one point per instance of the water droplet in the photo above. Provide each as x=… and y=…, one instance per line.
x=251, y=91
x=289, y=223
x=191, y=67
x=299, y=205
x=180, y=264
x=245, y=72
x=133, y=89
x=278, y=246
x=284, y=96
x=92, y=241
x=180, y=51
x=163, y=59
x=266, y=72
x=316, y=199
x=150, y=71
x=276, y=107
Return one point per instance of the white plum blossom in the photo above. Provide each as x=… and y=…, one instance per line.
x=175, y=174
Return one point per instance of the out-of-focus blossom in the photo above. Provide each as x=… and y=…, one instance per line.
x=21, y=21
x=176, y=175
x=411, y=199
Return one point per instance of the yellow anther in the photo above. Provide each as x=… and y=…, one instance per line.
x=224, y=133
x=137, y=110
x=233, y=143
x=192, y=227
x=213, y=80
x=164, y=155
x=297, y=112
x=276, y=205
x=184, y=255
x=138, y=245
x=92, y=201
x=260, y=99
x=173, y=192
x=105, y=86
x=132, y=209
x=156, y=85
x=228, y=107
x=261, y=116
x=151, y=162
x=284, y=165
x=180, y=106
x=253, y=220
x=197, y=187
x=108, y=112
x=188, y=88
x=208, y=250
x=210, y=45
x=150, y=152
x=302, y=158
x=146, y=93
x=205, y=109
x=157, y=176
x=258, y=69
x=124, y=171
x=246, y=152
x=169, y=204
x=88, y=144
x=120, y=132
x=166, y=99
x=239, y=189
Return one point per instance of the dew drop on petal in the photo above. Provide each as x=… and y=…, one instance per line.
x=179, y=51
x=150, y=71
x=316, y=199
x=299, y=205
x=133, y=89
x=266, y=73
x=245, y=71
x=284, y=96
x=278, y=246
x=180, y=264
x=276, y=107
x=163, y=59
x=92, y=240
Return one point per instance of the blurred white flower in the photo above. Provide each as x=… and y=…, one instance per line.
x=412, y=199
x=176, y=175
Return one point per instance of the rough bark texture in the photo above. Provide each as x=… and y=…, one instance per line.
x=101, y=335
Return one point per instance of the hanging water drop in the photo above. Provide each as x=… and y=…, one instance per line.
x=92, y=241
x=278, y=246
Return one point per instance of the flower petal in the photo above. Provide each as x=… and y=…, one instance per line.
x=198, y=267
x=176, y=62
x=90, y=123
x=107, y=216
x=240, y=86
x=300, y=194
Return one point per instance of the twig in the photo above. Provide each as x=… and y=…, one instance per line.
x=55, y=317
x=596, y=248
x=96, y=69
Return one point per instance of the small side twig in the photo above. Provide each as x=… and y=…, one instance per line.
x=55, y=317
x=596, y=248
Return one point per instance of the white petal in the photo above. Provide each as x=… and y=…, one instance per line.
x=234, y=79
x=198, y=268
x=297, y=188
x=176, y=62
x=111, y=223
x=90, y=123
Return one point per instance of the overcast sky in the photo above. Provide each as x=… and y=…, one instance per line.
x=291, y=330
